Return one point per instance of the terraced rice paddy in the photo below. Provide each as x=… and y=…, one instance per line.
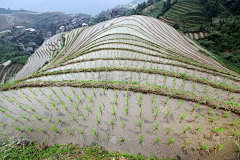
x=133, y=84
x=187, y=13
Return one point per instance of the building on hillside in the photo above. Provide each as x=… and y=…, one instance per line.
x=37, y=31
x=69, y=27
x=8, y=38
x=58, y=31
x=75, y=25
x=29, y=49
x=32, y=44
x=31, y=31
x=49, y=34
x=62, y=28
x=84, y=25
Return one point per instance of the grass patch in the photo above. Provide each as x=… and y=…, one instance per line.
x=33, y=150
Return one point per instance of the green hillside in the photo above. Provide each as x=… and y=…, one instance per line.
x=195, y=19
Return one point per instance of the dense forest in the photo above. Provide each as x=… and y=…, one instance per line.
x=12, y=51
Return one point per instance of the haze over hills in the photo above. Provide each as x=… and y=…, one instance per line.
x=132, y=83
x=91, y=7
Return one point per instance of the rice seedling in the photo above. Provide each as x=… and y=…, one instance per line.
x=10, y=116
x=184, y=115
x=140, y=102
x=73, y=118
x=35, y=116
x=112, y=122
x=4, y=109
x=69, y=131
x=140, y=140
x=17, y=128
x=171, y=140
x=81, y=132
x=127, y=92
x=50, y=97
x=70, y=98
x=54, y=106
x=61, y=89
x=211, y=111
x=169, y=130
x=139, y=124
x=42, y=130
x=98, y=120
x=124, y=124
x=90, y=99
x=194, y=87
x=168, y=112
x=236, y=133
x=113, y=111
x=195, y=107
x=165, y=101
x=73, y=91
x=235, y=123
x=54, y=127
x=100, y=108
x=114, y=101
x=121, y=139
x=181, y=102
x=58, y=119
x=238, y=151
x=24, y=117
x=207, y=91
x=204, y=147
x=174, y=82
x=82, y=116
x=78, y=97
x=83, y=92
x=185, y=131
x=21, y=107
x=94, y=93
x=28, y=128
x=107, y=136
x=95, y=133
x=186, y=144
x=89, y=109
x=165, y=78
x=156, y=113
x=220, y=147
x=153, y=97
x=104, y=91
x=30, y=107
x=156, y=126
x=184, y=83
x=156, y=142
x=2, y=124
x=115, y=93
x=65, y=107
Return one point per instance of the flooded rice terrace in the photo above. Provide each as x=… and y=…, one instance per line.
x=119, y=120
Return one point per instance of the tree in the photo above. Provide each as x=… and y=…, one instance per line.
x=150, y=2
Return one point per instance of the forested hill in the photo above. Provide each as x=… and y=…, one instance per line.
x=214, y=24
x=9, y=11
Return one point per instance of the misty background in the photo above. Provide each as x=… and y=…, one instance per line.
x=92, y=7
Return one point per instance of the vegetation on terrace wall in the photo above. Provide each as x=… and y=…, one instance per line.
x=224, y=42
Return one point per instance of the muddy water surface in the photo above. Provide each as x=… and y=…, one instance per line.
x=72, y=119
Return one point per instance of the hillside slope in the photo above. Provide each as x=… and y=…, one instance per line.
x=36, y=20
x=133, y=84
